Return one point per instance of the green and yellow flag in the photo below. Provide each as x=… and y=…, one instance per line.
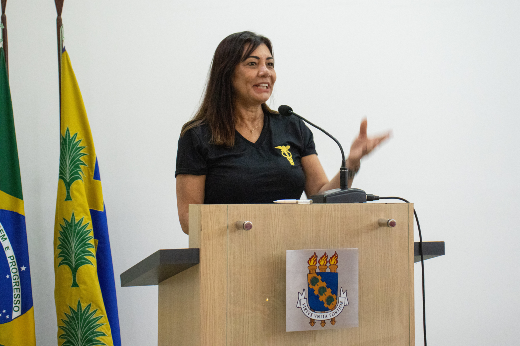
x=16, y=303
x=82, y=307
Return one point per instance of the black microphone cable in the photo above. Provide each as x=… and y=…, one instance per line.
x=371, y=197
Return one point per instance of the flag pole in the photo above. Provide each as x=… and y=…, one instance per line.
x=59, y=31
x=4, y=34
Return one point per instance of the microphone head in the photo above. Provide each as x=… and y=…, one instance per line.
x=285, y=110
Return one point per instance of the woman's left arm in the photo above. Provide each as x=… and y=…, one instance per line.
x=315, y=179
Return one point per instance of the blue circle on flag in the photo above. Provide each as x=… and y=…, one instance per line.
x=15, y=275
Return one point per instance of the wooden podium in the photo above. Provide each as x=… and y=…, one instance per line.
x=235, y=295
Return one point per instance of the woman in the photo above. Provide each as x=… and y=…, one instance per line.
x=236, y=150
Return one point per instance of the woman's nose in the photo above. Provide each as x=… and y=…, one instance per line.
x=264, y=71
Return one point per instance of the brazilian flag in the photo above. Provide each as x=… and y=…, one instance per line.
x=16, y=303
x=85, y=296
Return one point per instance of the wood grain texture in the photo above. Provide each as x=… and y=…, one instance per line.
x=195, y=226
x=213, y=273
x=239, y=285
x=412, y=260
x=179, y=298
x=191, y=308
x=179, y=309
x=256, y=267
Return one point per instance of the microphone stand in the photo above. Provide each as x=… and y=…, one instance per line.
x=343, y=194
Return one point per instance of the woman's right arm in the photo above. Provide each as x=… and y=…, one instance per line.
x=190, y=190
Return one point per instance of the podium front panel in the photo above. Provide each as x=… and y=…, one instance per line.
x=240, y=295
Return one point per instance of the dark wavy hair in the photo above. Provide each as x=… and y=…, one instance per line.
x=217, y=108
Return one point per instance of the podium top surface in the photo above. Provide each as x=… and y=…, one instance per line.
x=160, y=266
x=164, y=264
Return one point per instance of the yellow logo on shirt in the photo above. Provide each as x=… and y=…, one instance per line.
x=286, y=153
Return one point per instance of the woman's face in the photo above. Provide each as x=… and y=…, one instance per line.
x=254, y=77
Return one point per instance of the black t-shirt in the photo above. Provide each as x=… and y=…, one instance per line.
x=259, y=172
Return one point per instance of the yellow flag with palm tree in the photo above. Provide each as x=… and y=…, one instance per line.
x=81, y=307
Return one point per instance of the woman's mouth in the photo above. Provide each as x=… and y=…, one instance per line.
x=262, y=86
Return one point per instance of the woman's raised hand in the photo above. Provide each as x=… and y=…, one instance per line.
x=363, y=145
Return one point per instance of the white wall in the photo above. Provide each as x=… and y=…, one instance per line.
x=443, y=75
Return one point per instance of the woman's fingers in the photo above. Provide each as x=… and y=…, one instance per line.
x=363, y=145
x=363, y=128
x=374, y=142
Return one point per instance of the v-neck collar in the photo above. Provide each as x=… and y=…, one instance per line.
x=260, y=139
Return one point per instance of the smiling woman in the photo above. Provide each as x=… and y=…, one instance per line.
x=236, y=149
x=239, y=60
x=254, y=79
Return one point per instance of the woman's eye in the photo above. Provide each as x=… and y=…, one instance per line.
x=270, y=64
x=251, y=63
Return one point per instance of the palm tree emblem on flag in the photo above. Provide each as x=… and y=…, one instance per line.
x=86, y=303
x=81, y=327
x=75, y=244
x=71, y=161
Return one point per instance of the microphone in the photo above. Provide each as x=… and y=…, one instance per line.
x=343, y=194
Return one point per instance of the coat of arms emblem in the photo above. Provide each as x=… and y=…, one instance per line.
x=317, y=288
x=323, y=302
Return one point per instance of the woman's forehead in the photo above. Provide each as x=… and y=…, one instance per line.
x=261, y=50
